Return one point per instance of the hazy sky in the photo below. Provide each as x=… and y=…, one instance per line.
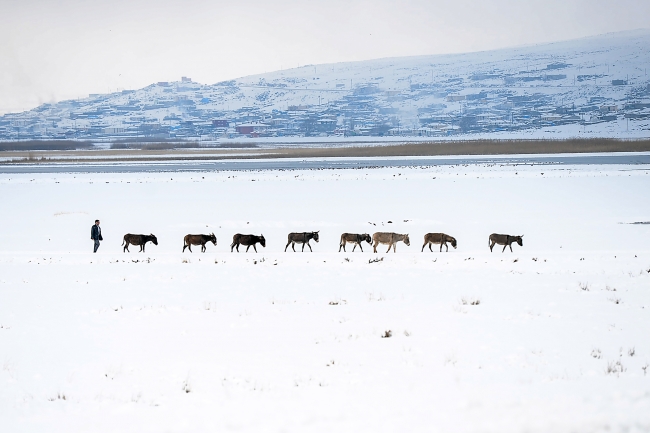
x=59, y=49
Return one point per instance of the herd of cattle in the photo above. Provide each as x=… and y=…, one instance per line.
x=385, y=238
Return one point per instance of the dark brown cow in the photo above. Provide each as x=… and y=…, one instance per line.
x=505, y=240
x=138, y=240
x=301, y=238
x=355, y=239
x=190, y=240
x=389, y=238
x=438, y=238
x=248, y=240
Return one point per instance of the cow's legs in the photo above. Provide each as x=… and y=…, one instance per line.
x=247, y=247
x=504, y=247
x=285, y=248
x=374, y=247
x=310, y=250
x=510, y=247
x=446, y=246
x=389, y=245
x=254, y=247
x=126, y=248
x=203, y=248
x=303, y=247
x=189, y=247
x=425, y=244
x=491, y=246
x=360, y=247
x=293, y=246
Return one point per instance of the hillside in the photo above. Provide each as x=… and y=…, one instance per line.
x=591, y=87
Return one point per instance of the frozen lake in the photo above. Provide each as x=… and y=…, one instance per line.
x=325, y=163
x=550, y=337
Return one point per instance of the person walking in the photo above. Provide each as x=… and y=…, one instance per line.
x=96, y=234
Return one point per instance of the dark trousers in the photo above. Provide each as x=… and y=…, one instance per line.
x=96, y=245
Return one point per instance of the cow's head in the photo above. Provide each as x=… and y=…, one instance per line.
x=453, y=242
x=366, y=237
x=520, y=240
x=315, y=235
x=406, y=240
x=262, y=241
x=213, y=238
x=153, y=239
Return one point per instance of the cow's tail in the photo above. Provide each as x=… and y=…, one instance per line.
x=123, y=241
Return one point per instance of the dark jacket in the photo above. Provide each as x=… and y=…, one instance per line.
x=96, y=233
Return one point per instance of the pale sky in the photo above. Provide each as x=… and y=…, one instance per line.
x=55, y=50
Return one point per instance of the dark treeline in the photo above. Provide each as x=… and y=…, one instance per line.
x=352, y=149
x=473, y=147
x=44, y=145
x=154, y=146
x=143, y=143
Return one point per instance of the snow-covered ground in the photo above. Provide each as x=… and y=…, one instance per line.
x=273, y=341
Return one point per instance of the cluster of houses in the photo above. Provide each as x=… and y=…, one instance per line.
x=477, y=103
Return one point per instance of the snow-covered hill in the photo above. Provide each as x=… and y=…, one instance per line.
x=592, y=86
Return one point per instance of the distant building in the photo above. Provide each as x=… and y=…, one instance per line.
x=220, y=123
x=186, y=80
x=619, y=82
x=455, y=98
x=251, y=128
x=608, y=108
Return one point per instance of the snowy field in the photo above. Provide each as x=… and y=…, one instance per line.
x=550, y=338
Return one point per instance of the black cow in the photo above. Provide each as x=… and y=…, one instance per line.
x=301, y=238
x=355, y=239
x=138, y=240
x=248, y=240
x=190, y=240
x=505, y=240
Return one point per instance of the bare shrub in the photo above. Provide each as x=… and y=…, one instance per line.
x=407, y=333
x=59, y=396
x=470, y=301
x=595, y=353
x=377, y=260
x=387, y=334
x=644, y=368
x=610, y=289
x=615, y=300
x=338, y=302
x=615, y=367
x=185, y=261
x=631, y=351
x=584, y=286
